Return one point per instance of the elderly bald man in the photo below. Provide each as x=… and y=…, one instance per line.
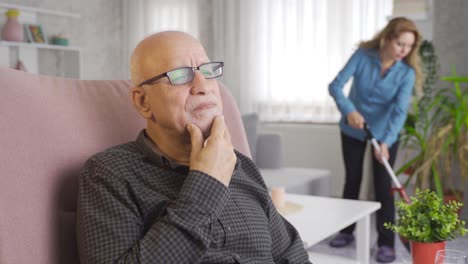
x=179, y=193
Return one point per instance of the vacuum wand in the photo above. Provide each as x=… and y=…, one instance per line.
x=394, y=178
x=387, y=166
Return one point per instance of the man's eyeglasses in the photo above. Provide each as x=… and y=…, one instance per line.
x=185, y=75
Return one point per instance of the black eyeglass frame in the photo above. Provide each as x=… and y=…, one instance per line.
x=162, y=75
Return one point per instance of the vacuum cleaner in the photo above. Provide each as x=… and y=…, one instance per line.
x=398, y=187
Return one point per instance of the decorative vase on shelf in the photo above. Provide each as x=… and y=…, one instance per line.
x=12, y=30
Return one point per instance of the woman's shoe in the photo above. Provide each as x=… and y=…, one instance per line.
x=385, y=254
x=341, y=240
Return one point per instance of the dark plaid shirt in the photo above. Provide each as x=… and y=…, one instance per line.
x=135, y=206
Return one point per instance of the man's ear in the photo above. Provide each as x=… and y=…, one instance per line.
x=139, y=99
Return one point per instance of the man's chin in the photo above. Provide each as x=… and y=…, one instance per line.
x=205, y=123
x=205, y=129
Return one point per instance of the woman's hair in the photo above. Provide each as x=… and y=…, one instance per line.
x=394, y=29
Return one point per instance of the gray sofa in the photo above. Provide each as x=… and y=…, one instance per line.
x=267, y=152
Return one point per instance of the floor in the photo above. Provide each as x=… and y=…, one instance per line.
x=403, y=257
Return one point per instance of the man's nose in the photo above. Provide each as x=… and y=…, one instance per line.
x=199, y=84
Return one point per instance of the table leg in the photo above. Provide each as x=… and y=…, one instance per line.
x=363, y=240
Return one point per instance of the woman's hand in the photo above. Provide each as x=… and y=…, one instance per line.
x=355, y=120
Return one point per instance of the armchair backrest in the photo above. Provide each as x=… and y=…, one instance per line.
x=49, y=127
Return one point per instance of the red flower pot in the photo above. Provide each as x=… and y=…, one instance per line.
x=425, y=253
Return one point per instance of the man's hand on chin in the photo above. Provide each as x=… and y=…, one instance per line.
x=215, y=156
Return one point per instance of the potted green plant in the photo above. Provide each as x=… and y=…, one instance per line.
x=450, y=134
x=454, y=119
x=438, y=132
x=418, y=127
x=428, y=223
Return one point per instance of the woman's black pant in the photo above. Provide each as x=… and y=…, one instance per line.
x=353, y=156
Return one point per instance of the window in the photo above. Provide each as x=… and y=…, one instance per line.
x=286, y=52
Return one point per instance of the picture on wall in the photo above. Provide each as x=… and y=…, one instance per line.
x=34, y=33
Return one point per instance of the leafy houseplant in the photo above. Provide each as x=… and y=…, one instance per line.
x=449, y=138
x=418, y=126
x=427, y=222
x=437, y=131
x=455, y=119
x=431, y=67
x=428, y=219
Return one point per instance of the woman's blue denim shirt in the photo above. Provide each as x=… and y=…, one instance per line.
x=382, y=101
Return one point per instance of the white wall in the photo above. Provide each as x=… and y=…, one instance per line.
x=420, y=11
x=451, y=35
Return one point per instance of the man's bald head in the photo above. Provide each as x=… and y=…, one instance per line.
x=156, y=54
x=169, y=108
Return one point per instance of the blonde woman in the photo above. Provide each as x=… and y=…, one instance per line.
x=384, y=70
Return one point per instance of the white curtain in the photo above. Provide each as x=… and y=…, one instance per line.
x=281, y=54
x=144, y=17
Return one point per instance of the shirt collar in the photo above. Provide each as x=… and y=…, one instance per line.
x=152, y=152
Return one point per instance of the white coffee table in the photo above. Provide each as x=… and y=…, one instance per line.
x=321, y=217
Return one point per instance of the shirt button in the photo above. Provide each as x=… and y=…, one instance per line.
x=229, y=228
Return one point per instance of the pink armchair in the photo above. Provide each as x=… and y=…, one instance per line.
x=49, y=127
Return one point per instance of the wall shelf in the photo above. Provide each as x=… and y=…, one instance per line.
x=38, y=46
x=42, y=58
x=39, y=10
